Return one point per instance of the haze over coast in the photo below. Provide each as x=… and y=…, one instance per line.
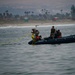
x=19, y=6
x=14, y=12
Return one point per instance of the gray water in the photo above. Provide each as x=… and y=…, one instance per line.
x=19, y=58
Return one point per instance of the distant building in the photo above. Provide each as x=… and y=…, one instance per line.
x=55, y=18
x=26, y=19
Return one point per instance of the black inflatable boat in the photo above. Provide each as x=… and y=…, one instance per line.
x=65, y=39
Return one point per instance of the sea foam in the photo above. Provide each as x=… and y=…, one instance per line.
x=39, y=25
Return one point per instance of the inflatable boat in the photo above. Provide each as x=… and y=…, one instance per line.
x=65, y=39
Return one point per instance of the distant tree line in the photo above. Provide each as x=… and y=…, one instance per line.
x=73, y=12
x=45, y=15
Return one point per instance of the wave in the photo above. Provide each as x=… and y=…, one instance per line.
x=40, y=25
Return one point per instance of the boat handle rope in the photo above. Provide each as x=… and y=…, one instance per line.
x=15, y=40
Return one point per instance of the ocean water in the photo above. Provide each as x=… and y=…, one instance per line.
x=19, y=58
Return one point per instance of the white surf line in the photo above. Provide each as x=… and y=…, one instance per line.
x=55, y=25
x=35, y=26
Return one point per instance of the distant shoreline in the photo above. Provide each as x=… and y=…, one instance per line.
x=35, y=22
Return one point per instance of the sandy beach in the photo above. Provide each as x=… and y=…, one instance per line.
x=36, y=23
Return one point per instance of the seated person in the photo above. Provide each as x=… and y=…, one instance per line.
x=58, y=34
x=36, y=32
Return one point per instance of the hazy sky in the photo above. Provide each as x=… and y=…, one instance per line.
x=52, y=5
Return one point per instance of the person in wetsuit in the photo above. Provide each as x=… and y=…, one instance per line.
x=52, y=32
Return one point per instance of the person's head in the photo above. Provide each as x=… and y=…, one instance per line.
x=36, y=30
x=33, y=30
x=52, y=26
x=58, y=30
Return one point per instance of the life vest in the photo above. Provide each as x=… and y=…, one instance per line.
x=37, y=37
x=59, y=37
x=33, y=36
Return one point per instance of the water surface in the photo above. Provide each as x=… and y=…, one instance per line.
x=19, y=58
